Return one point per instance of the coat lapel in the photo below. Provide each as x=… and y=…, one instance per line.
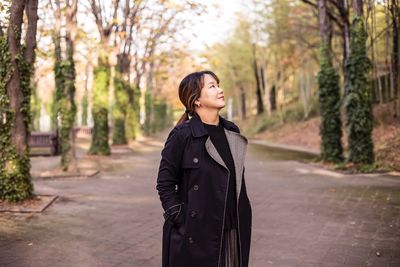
x=212, y=151
x=238, y=146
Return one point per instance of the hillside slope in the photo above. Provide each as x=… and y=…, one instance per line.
x=386, y=136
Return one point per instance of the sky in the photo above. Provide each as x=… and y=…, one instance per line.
x=215, y=25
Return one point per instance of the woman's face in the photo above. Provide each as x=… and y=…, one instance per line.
x=211, y=95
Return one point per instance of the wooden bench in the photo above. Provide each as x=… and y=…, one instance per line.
x=83, y=131
x=45, y=139
x=51, y=139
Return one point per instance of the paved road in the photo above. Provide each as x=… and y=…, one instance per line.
x=302, y=216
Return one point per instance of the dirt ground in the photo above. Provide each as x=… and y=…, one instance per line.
x=386, y=136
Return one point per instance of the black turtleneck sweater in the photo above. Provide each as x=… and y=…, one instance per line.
x=218, y=138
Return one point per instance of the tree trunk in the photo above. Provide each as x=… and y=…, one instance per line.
x=85, y=98
x=265, y=88
x=304, y=92
x=260, y=106
x=121, y=100
x=15, y=179
x=346, y=34
x=272, y=97
x=329, y=93
x=101, y=84
x=358, y=8
x=150, y=112
x=375, y=79
x=358, y=93
x=388, y=65
x=15, y=94
x=243, y=102
x=30, y=38
x=68, y=159
x=101, y=81
x=394, y=8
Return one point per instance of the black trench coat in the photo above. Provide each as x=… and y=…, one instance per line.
x=193, y=176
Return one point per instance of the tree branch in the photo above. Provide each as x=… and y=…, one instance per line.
x=97, y=16
x=343, y=12
x=113, y=22
x=331, y=16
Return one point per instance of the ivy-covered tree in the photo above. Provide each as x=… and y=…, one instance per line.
x=68, y=157
x=148, y=100
x=120, y=108
x=64, y=69
x=16, y=69
x=329, y=93
x=106, y=22
x=101, y=83
x=132, y=122
x=358, y=99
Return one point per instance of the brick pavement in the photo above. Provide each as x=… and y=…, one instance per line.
x=302, y=216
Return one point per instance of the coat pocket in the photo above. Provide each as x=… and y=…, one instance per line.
x=192, y=160
x=176, y=245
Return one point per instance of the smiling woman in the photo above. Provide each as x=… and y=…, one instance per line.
x=200, y=93
x=201, y=182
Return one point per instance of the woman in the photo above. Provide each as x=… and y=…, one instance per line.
x=201, y=183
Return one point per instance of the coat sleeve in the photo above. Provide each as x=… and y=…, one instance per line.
x=169, y=173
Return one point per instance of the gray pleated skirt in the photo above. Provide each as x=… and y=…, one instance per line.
x=230, y=249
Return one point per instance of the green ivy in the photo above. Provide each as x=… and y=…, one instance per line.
x=65, y=106
x=329, y=102
x=148, y=100
x=15, y=179
x=70, y=118
x=120, y=107
x=132, y=122
x=358, y=98
x=158, y=116
x=100, y=145
x=51, y=107
x=85, y=105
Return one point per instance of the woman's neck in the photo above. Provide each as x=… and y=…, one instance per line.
x=208, y=116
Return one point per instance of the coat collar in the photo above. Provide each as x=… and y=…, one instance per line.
x=198, y=129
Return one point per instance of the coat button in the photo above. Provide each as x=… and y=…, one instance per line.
x=193, y=213
x=196, y=187
x=195, y=160
x=190, y=240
